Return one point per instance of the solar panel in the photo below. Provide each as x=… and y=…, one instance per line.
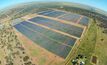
x=55, y=14
x=84, y=21
x=70, y=29
x=45, y=12
x=50, y=45
x=52, y=41
x=53, y=35
x=70, y=17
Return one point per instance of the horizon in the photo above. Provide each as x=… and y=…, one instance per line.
x=95, y=3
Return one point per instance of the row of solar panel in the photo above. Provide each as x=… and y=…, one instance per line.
x=66, y=16
x=70, y=29
x=52, y=41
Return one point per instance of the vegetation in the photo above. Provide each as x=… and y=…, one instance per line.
x=87, y=43
x=12, y=47
x=101, y=46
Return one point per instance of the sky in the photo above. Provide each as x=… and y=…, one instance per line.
x=101, y=4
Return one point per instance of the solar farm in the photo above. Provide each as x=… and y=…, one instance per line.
x=55, y=31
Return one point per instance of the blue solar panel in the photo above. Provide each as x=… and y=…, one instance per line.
x=50, y=45
x=55, y=14
x=70, y=17
x=70, y=29
x=45, y=12
x=84, y=21
x=56, y=36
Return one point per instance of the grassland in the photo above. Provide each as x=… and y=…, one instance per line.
x=101, y=47
x=93, y=43
x=87, y=43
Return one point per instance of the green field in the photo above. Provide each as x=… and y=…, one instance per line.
x=101, y=46
x=87, y=44
x=93, y=43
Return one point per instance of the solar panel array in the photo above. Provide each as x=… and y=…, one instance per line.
x=52, y=41
x=51, y=13
x=70, y=29
x=70, y=17
x=53, y=35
